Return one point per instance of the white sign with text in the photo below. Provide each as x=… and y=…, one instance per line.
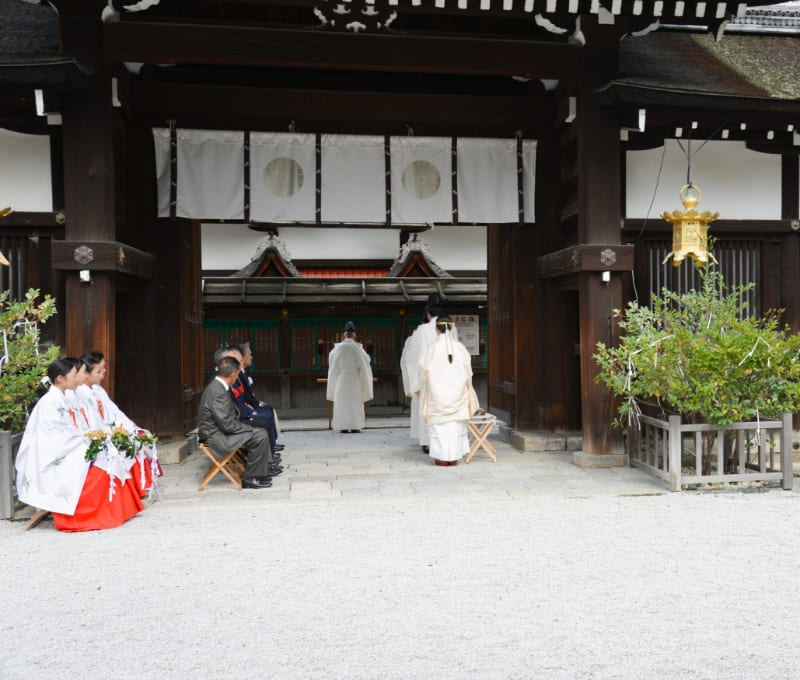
x=469, y=331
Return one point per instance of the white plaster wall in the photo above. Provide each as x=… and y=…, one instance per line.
x=457, y=248
x=230, y=246
x=25, y=172
x=736, y=182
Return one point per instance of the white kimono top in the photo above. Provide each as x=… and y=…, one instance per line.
x=349, y=384
x=446, y=392
x=105, y=409
x=417, y=343
x=51, y=468
x=105, y=414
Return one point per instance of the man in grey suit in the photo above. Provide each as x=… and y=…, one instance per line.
x=220, y=428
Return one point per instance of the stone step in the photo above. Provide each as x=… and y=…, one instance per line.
x=540, y=441
x=172, y=453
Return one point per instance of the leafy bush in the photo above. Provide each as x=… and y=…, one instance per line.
x=692, y=354
x=22, y=364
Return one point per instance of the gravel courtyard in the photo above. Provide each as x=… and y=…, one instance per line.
x=564, y=580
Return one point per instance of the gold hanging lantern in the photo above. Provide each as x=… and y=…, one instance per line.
x=690, y=229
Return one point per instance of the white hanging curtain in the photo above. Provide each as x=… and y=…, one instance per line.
x=487, y=180
x=25, y=177
x=210, y=174
x=282, y=177
x=353, y=179
x=421, y=179
x=163, y=178
x=529, y=178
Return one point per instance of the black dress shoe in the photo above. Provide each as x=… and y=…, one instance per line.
x=276, y=458
x=278, y=447
x=256, y=483
x=275, y=470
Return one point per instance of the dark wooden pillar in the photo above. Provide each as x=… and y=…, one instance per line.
x=89, y=188
x=790, y=246
x=501, y=336
x=599, y=215
x=548, y=381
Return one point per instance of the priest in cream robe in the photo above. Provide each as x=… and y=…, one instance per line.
x=447, y=398
x=423, y=337
x=349, y=382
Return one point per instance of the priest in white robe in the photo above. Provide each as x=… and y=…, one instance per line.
x=414, y=349
x=349, y=382
x=447, y=398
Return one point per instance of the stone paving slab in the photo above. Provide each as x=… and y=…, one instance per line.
x=325, y=466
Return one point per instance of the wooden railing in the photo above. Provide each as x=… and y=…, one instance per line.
x=683, y=454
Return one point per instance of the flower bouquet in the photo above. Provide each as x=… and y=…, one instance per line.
x=97, y=444
x=143, y=439
x=123, y=441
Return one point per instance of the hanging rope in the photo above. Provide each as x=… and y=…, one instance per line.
x=689, y=155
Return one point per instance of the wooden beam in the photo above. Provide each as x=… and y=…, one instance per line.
x=655, y=225
x=172, y=43
x=272, y=109
x=590, y=257
x=32, y=221
x=102, y=256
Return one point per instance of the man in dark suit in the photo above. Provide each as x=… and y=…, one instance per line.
x=250, y=407
x=220, y=428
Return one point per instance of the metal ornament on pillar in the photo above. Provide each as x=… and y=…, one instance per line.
x=690, y=229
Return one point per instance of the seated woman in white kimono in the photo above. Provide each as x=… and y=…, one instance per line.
x=53, y=473
x=447, y=398
x=349, y=382
x=104, y=413
x=82, y=421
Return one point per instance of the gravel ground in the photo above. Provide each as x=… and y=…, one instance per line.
x=687, y=585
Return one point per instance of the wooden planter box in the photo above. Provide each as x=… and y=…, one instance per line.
x=740, y=452
x=9, y=444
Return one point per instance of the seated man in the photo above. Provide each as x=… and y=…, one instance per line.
x=252, y=400
x=260, y=415
x=220, y=428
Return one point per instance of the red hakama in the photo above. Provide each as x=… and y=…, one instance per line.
x=95, y=511
x=136, y=476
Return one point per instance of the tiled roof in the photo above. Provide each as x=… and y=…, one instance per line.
x=228, y=291
x=752, y=66
x=343, y=273
x=30, y=53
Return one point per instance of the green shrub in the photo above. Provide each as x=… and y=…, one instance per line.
x=22, y=364
x=692, y=354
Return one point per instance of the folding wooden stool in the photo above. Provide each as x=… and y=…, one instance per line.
x=232, y=466
x=479, y=427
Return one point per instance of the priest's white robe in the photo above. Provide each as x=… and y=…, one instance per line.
x=447, y=398
x=349, y=384
x=51, y=468
x=414, y=349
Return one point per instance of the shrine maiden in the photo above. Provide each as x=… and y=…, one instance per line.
x=414, y=349
x=53, y=473
x=447, y=398
x=104, y=413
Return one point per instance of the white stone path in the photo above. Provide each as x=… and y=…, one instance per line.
x=366, y=562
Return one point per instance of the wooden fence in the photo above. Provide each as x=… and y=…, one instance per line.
x=683, y=454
